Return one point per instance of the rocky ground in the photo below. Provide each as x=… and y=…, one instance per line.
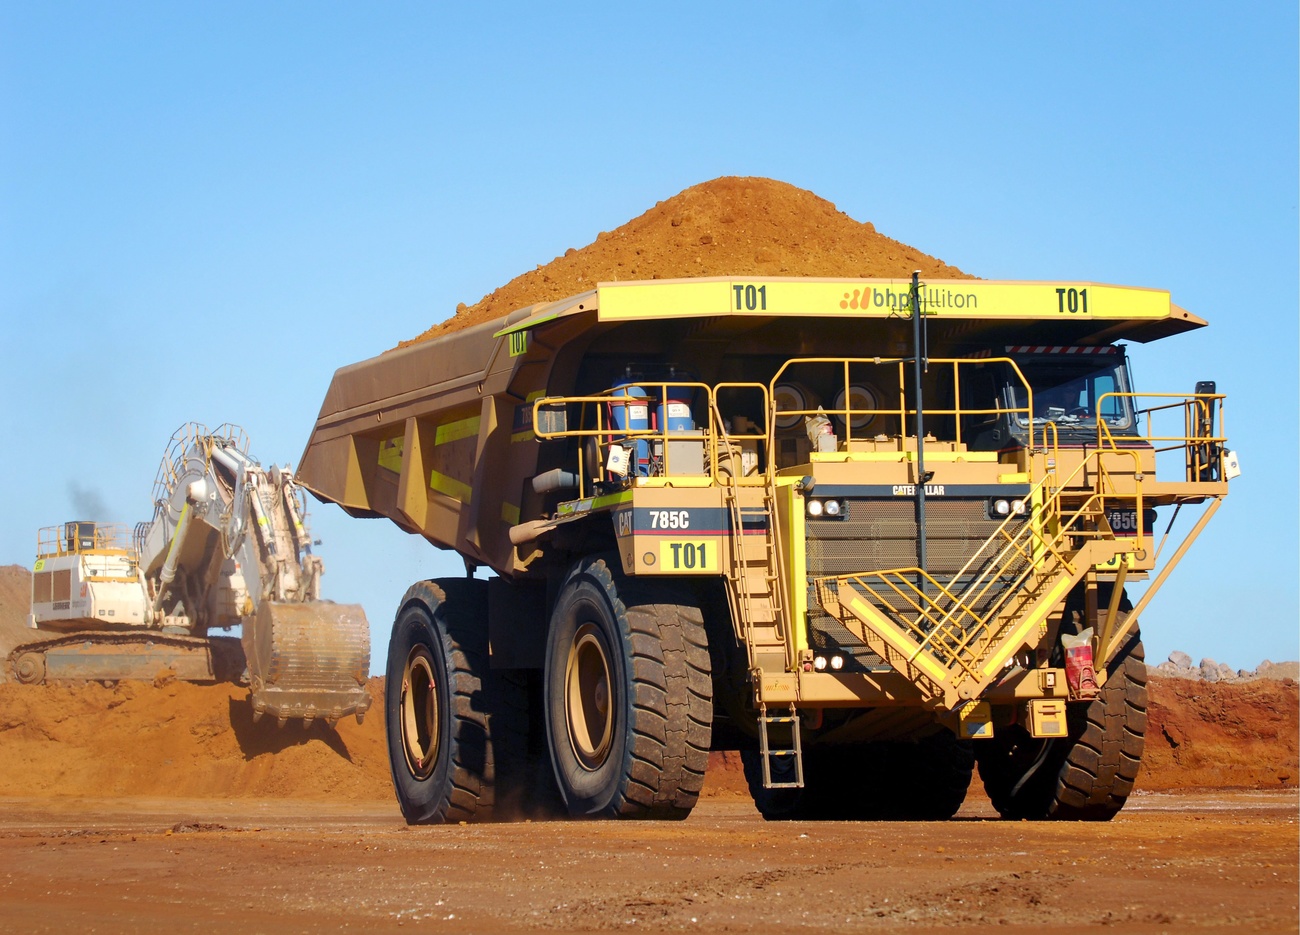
x=1179, y=665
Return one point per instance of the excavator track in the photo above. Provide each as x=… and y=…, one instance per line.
x=111, y=656
x=308, y=660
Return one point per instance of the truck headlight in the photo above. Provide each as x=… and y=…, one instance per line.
x=832, y=509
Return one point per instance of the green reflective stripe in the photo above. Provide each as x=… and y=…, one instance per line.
x=596, y=503
x=529, y=322
x=453, y=488
x=454, y=431
x=390, y=453
x=510, y=513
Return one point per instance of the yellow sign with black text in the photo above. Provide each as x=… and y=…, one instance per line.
x=878, y=298
x=688, y=557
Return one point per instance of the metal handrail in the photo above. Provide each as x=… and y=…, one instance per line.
x=902, y=412
x=606, y=434
x=69, y=539
x=1191, y=441
x=172, y=467
x=957, y=625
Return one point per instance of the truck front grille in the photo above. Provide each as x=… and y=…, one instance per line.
x=875, y=535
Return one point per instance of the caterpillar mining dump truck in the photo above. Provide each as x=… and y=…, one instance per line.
x=872, y=549
x=227, y=545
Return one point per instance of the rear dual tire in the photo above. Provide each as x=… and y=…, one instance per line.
x=628, y=704
x=456, y=729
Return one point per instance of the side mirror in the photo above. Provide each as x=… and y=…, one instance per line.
x=552, y=419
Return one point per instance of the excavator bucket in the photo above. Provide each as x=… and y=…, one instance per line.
x=308, y=660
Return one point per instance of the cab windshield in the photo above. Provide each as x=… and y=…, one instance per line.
x=1069, y=391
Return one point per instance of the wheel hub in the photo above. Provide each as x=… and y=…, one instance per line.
x=419, y=713
x=587, y=696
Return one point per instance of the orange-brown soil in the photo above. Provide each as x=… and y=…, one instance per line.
x=728, y=226
x=183, y=740
x=1168, y=863
x=15, y=601
x=195, y=741
x=1221, y=735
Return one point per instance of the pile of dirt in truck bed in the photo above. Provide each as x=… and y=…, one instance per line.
x=729, y=226
x=199, y=741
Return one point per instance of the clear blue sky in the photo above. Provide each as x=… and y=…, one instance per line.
x=207, y=208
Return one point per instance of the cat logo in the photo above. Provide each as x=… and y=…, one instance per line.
x=623, y=523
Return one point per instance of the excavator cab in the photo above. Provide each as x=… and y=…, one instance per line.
x=80, y=535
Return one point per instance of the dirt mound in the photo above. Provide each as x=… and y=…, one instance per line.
x=729, y=226
x=1200, y=735
x=199, y=741
x=181, y=740
x=15, y=602
x=1222, y=735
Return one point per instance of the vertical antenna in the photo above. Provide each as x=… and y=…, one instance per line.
x=920, y=364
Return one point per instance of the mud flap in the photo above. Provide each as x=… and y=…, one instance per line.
x=308, y=660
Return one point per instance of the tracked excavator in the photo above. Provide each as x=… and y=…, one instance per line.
x=227, y=545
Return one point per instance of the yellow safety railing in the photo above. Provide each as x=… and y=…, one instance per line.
x=723, y=449
x=902, y=411
x=1202, y=444
x=956, y=623
x=77, y=537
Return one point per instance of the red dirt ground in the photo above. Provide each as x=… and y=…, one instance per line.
x=196, y=741
x=1221, y=735
x=1169, y=863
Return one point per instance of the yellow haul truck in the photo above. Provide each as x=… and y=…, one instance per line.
x=870, y=548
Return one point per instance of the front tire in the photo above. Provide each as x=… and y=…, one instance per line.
x=1087, y=775
x=628, y=696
